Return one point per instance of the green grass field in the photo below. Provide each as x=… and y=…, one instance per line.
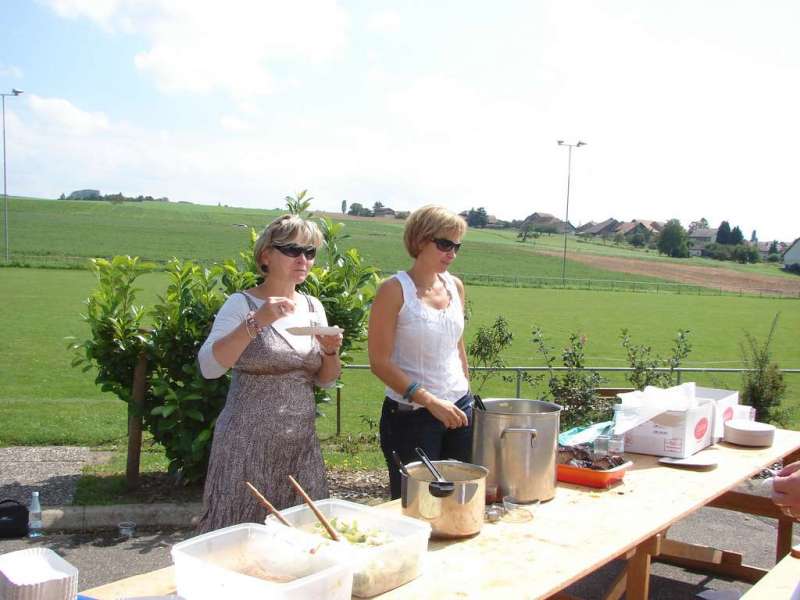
x=41, y=395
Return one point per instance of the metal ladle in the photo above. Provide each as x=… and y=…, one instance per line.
x=441, y=488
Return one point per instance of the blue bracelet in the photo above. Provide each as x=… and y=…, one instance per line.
x=413, y=387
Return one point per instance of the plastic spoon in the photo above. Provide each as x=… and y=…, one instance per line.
x=441, y=488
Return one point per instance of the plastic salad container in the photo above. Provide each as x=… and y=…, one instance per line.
x=256, y=561
x=591, y=477
x=377, y=568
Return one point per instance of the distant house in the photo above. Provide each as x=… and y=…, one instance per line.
x=383, y=211
x=791, y=256
x=603, y=228
x=583, y=228
x=547, y=222
x=631, y=228
x=763, y=248
x=84, y=195
x=699, y=239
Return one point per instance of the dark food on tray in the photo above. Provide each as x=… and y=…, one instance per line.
x=581, y=455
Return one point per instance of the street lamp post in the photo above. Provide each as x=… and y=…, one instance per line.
x=566, y=216
x=14, y=92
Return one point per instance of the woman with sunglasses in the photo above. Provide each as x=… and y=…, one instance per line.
x=416, y=347
x=266, y=431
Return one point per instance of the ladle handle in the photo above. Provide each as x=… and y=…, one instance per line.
x=399, y=463
x=434, y=471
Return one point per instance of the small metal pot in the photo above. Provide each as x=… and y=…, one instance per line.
x=456, y=515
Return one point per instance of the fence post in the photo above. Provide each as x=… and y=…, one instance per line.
x=680, y=373
x=135, y=409
x=519, y=382
x=338, y=411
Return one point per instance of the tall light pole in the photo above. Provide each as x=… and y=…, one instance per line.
x=14, y=92
x=578, y=144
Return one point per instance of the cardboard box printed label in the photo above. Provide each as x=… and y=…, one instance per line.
x=675, y=433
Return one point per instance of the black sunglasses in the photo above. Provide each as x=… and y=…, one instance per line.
x=446, y=245
x=293, y=250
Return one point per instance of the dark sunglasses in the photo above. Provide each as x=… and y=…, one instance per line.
x=293, y=250
x=446, y=245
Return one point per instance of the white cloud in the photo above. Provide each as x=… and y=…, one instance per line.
x=384, y=22
x=233, y=123
x=10, y=71
x=201, y=46
x=62, y=117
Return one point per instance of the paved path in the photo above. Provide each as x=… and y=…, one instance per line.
x=52, y=470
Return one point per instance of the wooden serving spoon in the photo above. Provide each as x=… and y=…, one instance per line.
x=331, y=531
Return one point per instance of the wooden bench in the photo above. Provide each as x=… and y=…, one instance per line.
x=779, y=583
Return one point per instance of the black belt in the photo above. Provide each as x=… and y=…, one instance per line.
x=400, y=406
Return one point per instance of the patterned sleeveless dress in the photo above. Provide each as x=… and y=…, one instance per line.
x=265, y=432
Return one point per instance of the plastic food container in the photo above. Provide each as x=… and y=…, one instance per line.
x=591, y=477
x=377, y=569
x=37, y=574
x=256, y=561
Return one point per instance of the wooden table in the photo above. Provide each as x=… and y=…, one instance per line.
x=574, y=534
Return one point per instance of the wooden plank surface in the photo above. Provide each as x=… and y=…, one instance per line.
x=779, y=583
x=578, y=531
x=154, y=583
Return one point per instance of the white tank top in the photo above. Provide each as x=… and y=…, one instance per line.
x=426, y=342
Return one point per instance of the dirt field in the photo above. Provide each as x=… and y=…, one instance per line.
x=726, y=279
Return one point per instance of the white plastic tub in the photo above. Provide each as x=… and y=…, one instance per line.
x=377, y=568
x=37, y=574
x=256, y=561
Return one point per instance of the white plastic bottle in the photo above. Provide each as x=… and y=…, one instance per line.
x=35, y=517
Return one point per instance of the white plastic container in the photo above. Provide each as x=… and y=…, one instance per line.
x=256, y=561
x=378, y=569
x=37, y=574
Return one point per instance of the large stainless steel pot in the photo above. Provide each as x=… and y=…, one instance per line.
x=517, y=440
x=459, y=514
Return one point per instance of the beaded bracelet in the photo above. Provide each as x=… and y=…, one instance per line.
x=251, y=325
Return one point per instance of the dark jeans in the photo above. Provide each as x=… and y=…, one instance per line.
x=404, y=430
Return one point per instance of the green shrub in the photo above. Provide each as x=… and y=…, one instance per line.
x=763, y=385
x=644, y=363
x=576, y=388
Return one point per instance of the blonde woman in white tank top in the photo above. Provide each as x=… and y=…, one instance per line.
x=416, y=347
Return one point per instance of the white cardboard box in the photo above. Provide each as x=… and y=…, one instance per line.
x=724, y=401
x=675, y=433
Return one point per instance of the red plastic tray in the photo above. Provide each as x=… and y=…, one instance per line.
x=591, y=477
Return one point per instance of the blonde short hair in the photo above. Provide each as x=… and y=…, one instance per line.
x=430, y=222
x=285, y=230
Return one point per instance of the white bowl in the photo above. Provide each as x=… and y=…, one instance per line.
x=37, y=574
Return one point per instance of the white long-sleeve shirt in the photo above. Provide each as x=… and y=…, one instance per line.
x=234, y=312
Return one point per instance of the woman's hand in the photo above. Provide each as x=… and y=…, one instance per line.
x=274, y=308
x=330, y=344
x=448, y=413
x=786, y=490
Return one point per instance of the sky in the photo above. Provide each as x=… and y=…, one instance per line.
x=689, y=108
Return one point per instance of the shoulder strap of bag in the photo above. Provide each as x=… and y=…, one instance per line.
x=249, y=300
x=12, y=501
